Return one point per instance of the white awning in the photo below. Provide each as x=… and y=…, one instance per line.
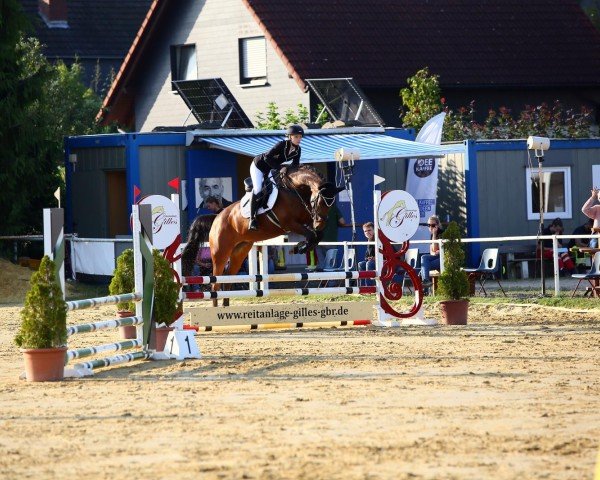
x=321, y=148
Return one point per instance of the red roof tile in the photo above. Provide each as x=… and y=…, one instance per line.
x=466, y=42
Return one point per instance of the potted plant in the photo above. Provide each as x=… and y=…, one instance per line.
x=123, y=281
x=166, y=296
x=453, y=284
x=43, y=332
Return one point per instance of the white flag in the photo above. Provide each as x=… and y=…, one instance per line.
x=57, y=196
x=422, y=176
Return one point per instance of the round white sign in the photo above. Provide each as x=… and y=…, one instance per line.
x=165, y=220
x=398, y=215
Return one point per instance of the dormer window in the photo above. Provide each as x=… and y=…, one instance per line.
x=253, y=61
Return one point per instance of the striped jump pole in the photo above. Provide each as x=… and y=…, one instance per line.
x=143, y=296
x=108, y=300
x=279, y=277
x=279, y=326
x=279, y=292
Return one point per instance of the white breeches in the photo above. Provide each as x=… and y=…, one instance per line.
x=257, y=178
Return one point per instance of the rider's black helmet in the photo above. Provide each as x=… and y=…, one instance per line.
x=295, y=130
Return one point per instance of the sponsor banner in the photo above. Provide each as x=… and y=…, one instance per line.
x=398, y=215
x=165, y=220
x=210, y=316
x=422, y=176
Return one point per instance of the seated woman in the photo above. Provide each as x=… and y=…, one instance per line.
x=431, y=261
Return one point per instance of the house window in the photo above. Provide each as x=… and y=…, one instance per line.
x=183, y=62
x=253, y=61
x=556, y=193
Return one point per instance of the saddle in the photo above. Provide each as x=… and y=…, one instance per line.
x=265, y=199
x=267, y=188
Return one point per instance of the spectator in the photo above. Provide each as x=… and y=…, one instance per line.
x=330, y=234
x=369, y=261
x=592, y=211
x=565, y=263
x=213, y=204
x=585, y=229
x=431, y=261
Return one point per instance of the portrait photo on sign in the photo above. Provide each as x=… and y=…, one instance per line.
x=217, y=187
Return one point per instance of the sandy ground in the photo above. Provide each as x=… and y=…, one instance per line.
x=512, y=395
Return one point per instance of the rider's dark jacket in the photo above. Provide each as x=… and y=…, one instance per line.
x=279, y=154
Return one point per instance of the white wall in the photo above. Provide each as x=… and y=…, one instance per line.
x=215, y=27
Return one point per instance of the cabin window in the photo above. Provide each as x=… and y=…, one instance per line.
x=253, y=61
x=556, y=195
x=183, y=63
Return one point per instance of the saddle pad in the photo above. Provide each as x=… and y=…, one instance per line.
x=245, y=203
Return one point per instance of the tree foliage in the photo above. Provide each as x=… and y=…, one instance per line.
x=272, y=119
x=422, y=99
x=40, y=103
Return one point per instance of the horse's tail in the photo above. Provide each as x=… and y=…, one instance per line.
x=197, y=234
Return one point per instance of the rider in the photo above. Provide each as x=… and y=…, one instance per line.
x=283, y=151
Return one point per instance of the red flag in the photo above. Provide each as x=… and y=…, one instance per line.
x=136, y=193
x=174, y=183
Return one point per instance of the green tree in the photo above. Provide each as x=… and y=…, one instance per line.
x=422, y=99
x=271, y=120
x=40, y=103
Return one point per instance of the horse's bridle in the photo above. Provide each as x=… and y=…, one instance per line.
x=314, y=201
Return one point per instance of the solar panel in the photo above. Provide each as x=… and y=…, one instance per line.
x=211, y=102
x=345, y=101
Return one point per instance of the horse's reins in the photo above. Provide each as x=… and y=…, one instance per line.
x=312, y=211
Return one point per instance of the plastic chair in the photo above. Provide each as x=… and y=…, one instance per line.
x=488, y=268
x=350, y=260
x=593, y=277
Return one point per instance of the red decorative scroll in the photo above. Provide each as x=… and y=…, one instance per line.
x=392, y=262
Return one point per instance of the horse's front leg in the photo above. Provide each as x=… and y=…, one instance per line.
x=312, y=239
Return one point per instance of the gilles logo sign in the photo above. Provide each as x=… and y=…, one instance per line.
x=165, y=220
x=398, y=215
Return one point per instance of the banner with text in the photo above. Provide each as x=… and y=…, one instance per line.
x=422, y=176
x=284, y=313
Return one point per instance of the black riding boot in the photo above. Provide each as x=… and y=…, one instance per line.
x=253, y=208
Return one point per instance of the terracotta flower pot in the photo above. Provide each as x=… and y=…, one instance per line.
x=44, y=364
x=127, y=332
x=161, y=337
x=455, y=312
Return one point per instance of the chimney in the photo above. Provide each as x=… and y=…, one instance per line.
x=54, y=13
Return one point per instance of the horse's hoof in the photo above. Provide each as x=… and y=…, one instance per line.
x=302, y=248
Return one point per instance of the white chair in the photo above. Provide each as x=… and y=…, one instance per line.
x=593, y=277
x=488, y=267
x=350, y=261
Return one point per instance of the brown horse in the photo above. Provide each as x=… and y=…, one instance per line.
x=302, y=206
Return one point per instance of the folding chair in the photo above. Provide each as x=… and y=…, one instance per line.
x=342, y=268
x=412, y=258
x=488, y=268
x=593, y=277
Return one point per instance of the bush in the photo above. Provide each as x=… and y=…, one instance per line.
x=453, y=282
x=44, y=315
x=166, y=290
x=123, y=280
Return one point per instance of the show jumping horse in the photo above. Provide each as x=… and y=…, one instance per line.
x=301, y=207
